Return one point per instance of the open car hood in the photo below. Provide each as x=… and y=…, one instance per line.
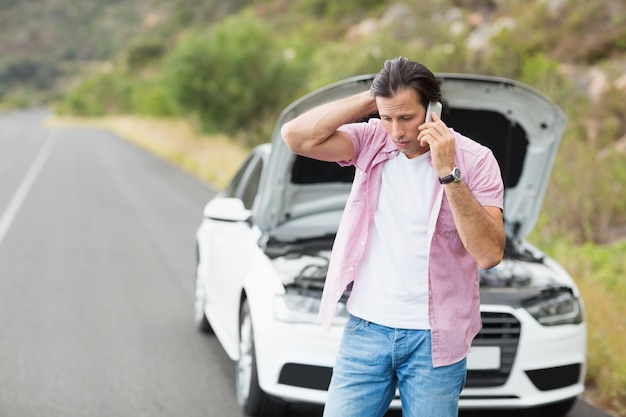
x=520, y=125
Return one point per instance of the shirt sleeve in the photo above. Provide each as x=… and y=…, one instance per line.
x=367, y=139
x=486, y=181
x=354, y=130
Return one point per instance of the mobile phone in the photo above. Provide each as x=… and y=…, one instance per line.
x=433, y=106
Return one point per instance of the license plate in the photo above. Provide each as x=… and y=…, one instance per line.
x=483, y=358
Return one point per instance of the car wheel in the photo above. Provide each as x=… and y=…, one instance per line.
x=199, y=316
x=202, y=323
x=251, y=399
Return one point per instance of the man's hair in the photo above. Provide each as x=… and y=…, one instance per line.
x=399, y=73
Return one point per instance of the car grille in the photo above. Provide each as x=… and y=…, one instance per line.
x=502, y=330
x=499, y=329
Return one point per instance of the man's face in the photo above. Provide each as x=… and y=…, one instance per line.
x=401, y=115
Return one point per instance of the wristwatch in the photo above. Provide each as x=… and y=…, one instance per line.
x=455, y=176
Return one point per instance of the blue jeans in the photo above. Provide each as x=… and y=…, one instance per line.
x=374, y=359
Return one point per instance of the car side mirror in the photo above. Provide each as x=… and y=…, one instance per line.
x=227, y=209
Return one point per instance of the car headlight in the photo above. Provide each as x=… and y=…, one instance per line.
x=298, y=308
x=554, y=307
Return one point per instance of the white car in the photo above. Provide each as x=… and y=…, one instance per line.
x=264, y=244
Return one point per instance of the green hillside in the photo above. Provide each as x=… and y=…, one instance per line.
x=47, y=44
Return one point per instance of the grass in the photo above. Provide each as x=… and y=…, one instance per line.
x=600, y=273
x=599, y=270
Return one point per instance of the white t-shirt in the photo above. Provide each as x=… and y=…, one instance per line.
x=392, y=286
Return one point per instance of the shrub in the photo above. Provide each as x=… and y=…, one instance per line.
x=143, y=53
x=149, y=97
x=233, y=78
x=100, y=94
x=36, y=73
x=337, y=10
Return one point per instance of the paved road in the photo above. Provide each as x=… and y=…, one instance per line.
x=96, y=282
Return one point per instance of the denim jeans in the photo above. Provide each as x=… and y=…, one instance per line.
x=373, y=360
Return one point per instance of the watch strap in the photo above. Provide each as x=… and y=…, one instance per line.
x=454, y=176
x=446, y=180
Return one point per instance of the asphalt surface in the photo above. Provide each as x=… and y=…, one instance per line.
x=97, y=258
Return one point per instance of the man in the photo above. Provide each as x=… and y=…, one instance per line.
x=425, y=209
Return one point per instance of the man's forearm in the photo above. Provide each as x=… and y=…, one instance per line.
x=312, y=128
x=480, y=228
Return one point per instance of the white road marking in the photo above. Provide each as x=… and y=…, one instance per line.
x=22, y=191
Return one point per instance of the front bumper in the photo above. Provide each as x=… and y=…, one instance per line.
x=546, y=365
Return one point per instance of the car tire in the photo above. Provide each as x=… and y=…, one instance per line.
x=250, y=397
x=202, y=323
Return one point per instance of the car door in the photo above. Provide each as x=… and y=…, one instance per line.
x=233, y=246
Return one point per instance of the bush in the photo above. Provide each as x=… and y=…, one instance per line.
x=100, y=94
x=336, y=11
x=233, y=78
x=36, y=73
x=149, y=97
x=143, y=54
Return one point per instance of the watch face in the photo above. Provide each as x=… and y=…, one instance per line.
x=456, y=174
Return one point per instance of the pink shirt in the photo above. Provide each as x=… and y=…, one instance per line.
x=454, y=299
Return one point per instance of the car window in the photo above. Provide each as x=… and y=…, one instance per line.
x=234, y=185
x=250, y=187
